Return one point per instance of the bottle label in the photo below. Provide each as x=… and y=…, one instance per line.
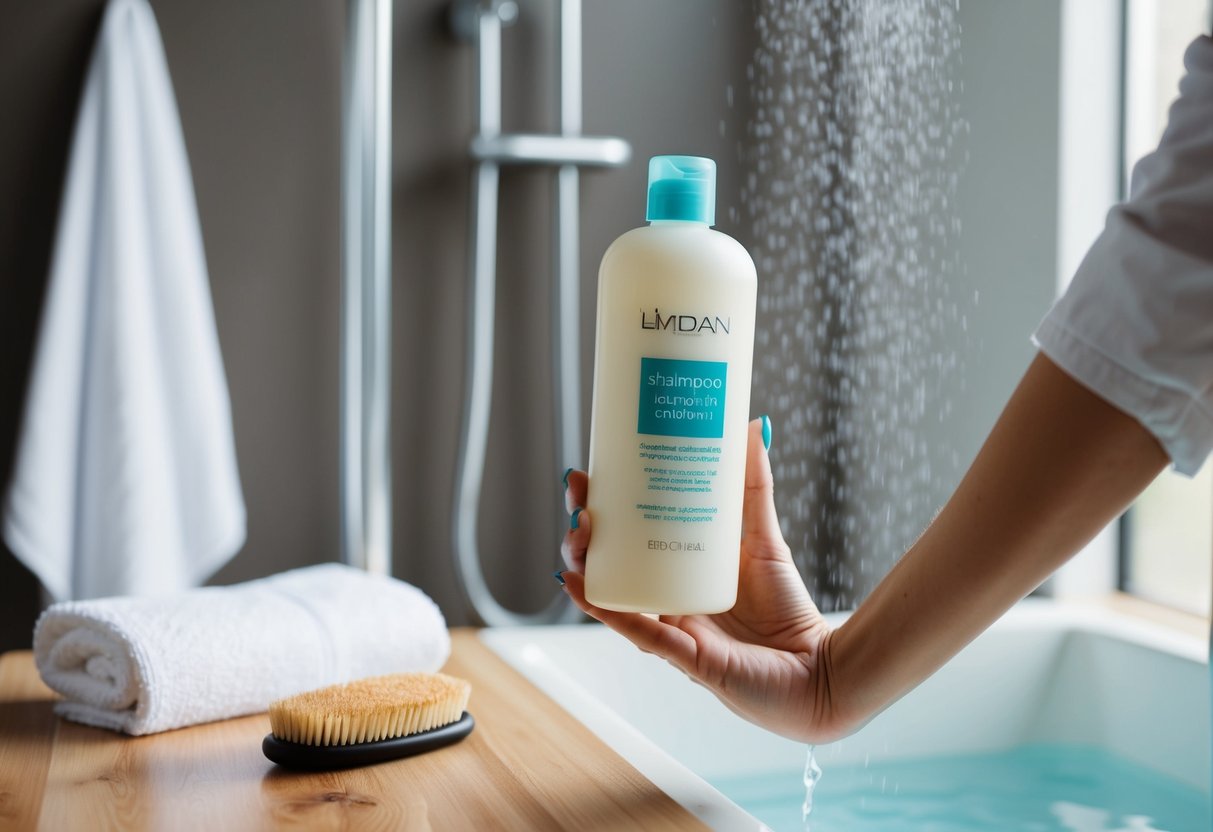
x=679, y=397
x=682, y=399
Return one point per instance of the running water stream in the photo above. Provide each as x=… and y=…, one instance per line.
x=853, y=156
x=812, y=773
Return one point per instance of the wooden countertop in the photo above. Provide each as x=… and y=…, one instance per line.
x=528, y=765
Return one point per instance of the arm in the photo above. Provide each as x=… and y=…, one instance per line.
x=1059, y=464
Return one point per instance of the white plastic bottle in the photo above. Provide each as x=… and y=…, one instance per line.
x=672, y=372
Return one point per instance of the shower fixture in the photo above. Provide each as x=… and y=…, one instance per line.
x=481, y=22
x=366, y=227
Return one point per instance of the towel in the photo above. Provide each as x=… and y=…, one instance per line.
x=125, y=479
x=143, y=665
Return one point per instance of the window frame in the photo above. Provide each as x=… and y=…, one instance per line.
x=1089, y=174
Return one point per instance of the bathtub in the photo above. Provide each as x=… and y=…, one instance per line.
x=1046, y=672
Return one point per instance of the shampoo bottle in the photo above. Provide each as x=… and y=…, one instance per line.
x=672, y=368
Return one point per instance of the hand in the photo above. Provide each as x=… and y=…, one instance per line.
x=767, y=658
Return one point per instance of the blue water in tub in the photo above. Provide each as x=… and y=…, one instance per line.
x=1042, y=788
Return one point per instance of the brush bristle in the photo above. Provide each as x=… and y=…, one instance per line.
x=367, y=710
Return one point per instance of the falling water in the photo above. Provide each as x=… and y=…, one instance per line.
x=812, y=773
x=853, y=155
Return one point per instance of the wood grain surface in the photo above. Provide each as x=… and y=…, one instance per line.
x=528, y=765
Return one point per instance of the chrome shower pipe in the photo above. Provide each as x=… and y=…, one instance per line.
x=482, y=21
x=566, y=289
x=366, y=191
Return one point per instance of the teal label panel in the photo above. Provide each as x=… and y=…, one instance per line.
x=682, y=398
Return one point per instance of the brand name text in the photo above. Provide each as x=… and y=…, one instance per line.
x=685, y=324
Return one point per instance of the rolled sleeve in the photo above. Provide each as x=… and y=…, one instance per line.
x=1136, y=324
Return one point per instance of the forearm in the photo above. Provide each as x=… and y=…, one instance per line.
x=1059, y=464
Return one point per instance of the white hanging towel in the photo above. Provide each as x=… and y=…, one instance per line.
x=125, y=480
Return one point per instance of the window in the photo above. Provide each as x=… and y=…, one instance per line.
x=1166, y=539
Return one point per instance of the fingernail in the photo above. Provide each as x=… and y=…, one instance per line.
x=559, y=576
x=567, y=471
x=766, y=432
x=574, y=523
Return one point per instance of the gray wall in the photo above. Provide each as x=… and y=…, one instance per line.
x=1008, y=205
x=258, y=86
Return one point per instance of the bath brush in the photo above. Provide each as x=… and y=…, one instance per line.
x=368, y=721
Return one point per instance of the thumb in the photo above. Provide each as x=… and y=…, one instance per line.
x=758, y=516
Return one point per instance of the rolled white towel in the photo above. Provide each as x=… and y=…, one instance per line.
x=143, y=665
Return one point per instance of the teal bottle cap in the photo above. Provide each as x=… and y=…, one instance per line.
x=682, y=188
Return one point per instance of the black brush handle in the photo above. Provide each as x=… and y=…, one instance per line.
x=327, y=757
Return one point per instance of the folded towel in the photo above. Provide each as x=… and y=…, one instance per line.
x=143, y=665
x=125, y=477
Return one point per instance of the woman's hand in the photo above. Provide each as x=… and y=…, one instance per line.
x=767, y=658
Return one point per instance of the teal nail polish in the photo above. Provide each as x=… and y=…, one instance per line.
x=766, y=432
x=567, y=471
x=573, y=521
x=559, y=576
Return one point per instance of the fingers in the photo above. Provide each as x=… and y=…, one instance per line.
x=759, y=518
x=576, y=540
x=577, y=487
x=649, y=634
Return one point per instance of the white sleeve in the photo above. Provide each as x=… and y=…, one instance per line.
x=1136, y=324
